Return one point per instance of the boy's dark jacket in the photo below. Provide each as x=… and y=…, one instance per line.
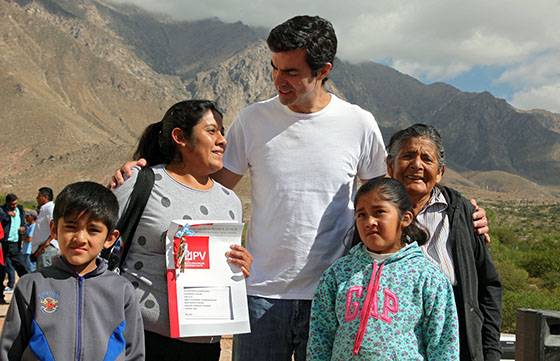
x=478, y=293
x=57, y=315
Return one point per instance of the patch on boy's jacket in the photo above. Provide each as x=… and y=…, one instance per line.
x=49, y=301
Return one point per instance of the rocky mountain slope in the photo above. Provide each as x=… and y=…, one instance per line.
x=80, y=79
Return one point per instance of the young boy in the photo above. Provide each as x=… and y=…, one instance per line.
x=76, y=309
x=30, y=220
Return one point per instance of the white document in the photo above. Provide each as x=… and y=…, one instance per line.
x=207, y=303
x=206, y=295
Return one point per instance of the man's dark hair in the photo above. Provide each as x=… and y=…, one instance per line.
x=10, y=197
x=312, y=33
x=46, y=192
x=90, y=199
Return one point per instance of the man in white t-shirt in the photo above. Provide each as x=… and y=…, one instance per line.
x=43, y=246
x=305, y=151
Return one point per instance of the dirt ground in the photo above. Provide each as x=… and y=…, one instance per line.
x=226, y=340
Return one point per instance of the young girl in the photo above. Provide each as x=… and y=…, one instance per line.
x=384, y=300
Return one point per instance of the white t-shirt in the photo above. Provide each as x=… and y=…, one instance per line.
x=42, y=229
x=304, y=170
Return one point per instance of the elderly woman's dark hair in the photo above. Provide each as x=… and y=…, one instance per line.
x=156, y=144
x=392, y=191
x=416, y=131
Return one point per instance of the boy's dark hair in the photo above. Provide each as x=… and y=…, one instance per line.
x=10, y=197
x=156, y=144
x=89, y=198
x=46, y=192
x=312, y=33
x=392, y=191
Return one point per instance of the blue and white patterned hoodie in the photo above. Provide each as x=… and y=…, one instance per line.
x=399, y=309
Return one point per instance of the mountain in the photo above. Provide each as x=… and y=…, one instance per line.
x=480, y=131
x=80, y=79
x=177, y=48
x=73, y=95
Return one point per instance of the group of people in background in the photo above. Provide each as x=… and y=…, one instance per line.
x=354, y=249
x=25, y=236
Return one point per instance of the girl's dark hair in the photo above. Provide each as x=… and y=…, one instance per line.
x=392, y=191
x=89, y=198
x=156, y=144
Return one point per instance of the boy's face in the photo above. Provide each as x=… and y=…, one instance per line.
x=81, y=239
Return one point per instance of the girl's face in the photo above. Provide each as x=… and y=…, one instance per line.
x=379, y=224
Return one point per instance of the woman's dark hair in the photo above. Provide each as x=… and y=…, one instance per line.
x=312, y=33
x=88, y=198
x=156, y=144
x=416, y=131
x=392, y=191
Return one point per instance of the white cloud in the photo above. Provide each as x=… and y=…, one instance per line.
x=428, y=33
x=435, y=40
x=536, y=82
x=543, y=97
x=542, y=69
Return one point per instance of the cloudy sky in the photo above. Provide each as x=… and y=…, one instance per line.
x=508, y=47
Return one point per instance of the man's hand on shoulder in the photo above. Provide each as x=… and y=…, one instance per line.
x=125, y=172
x=480, y=221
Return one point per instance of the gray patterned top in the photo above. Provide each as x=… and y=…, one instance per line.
x=145, y=263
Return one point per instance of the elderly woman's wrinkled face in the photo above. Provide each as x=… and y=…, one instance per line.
x=416, y=166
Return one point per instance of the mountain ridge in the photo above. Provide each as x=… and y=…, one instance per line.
x=85, y=78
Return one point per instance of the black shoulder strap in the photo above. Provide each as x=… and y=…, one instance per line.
x=129, y=219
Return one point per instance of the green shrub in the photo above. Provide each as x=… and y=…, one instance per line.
x=539, y=262
x=505, y=235
x=536, y=299
x=551, y=280
x=513, y=278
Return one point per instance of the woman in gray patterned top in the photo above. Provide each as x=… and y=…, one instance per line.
x=184, y=148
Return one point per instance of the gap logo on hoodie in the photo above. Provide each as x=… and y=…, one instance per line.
x=355, y=293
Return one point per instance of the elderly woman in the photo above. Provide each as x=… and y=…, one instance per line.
x=416, y=158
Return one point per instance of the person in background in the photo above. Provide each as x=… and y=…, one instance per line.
x=2, y=267
x=12, y=217
x=44, y=247
x=30, y=220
